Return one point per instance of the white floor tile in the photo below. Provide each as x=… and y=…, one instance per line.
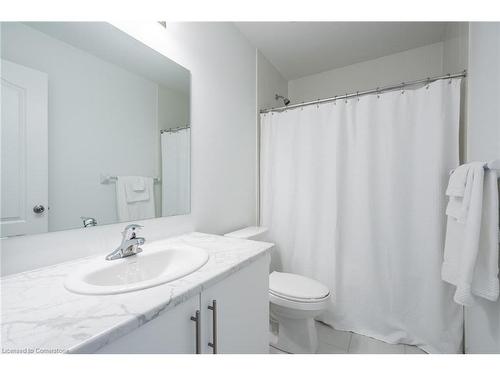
x=410, y=349
x=332, y=337
x=332, y=341
x=273, y=350
x=325, y=348
x=367, y=345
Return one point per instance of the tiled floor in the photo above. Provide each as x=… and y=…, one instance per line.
x=332, y=341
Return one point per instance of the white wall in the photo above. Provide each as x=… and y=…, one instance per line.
x=484, y=89
x=456, y=59
x=400, y=67
x=222, y=65
x=482, y=322
x=456, y=47
x=102, y=120
x=269, y=83
x=223, y=118
x=173, y=108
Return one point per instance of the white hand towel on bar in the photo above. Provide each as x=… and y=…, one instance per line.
x=139, y=184
x=131, y=204
x=471, y=246
x=135, y=188
x=459, y=190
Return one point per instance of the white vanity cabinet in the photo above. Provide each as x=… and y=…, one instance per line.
x=241, y=311
x=171, y=332
x=240, y=326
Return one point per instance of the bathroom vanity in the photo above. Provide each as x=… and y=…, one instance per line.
x=196, y=293
x=220, y=308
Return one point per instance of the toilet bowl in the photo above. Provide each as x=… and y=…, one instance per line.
x=295, y=301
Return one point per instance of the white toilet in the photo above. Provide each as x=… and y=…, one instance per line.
x=295, y=301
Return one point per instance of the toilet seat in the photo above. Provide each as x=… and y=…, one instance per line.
x=297, y=292
x=296, y=287
x=296, y=299
x=305, y=305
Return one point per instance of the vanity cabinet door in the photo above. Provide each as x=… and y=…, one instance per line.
x=242, y=311
x=172, y=332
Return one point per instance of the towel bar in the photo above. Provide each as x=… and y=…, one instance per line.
x=106, y=179
x=493, y=165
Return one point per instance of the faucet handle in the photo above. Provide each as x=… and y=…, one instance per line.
x=88, y=221
x=129, y=231
x=133, y=226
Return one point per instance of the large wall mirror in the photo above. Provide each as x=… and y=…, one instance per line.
x=94, y=128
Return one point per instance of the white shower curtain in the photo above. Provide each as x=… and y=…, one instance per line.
x=175, y=151
x=353, y=195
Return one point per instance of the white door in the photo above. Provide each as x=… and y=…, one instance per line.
x=242, y=312
x=24, y=194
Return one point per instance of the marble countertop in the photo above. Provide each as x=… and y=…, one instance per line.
x=38, y=314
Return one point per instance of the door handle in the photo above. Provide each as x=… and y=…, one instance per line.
x=39, y=209
x=196, y=320
x=213, y=344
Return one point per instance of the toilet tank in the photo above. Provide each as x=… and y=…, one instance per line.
x=249, y=233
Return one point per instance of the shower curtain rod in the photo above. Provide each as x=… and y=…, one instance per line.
x=372, y=91
x=174, y=130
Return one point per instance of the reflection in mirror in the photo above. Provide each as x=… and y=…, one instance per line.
x=94, y=128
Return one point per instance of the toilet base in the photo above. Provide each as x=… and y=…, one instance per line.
x=297, y=336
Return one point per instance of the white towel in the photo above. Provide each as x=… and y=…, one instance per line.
x=459, y=190
x=139, y=184
x=471, y=247
x=135, y=188
x=131, y=204
x=457, y=182
x=486, y=283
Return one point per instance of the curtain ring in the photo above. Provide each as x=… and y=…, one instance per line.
x=302, y=106
x=378, y=92
x=335, y=100
x=402, y=88
x=357, y=95
x=317, y=104
x=428, y=83
x=345, y=98
x=449, y=75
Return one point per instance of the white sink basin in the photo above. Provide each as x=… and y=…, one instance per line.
x=159, y=263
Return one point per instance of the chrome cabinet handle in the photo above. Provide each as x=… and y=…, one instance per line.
x=196, y=319
x=213, y=344
x=38, y=209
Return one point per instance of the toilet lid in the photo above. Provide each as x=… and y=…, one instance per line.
x=296, y=286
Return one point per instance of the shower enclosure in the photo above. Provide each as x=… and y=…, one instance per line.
x=352, y=191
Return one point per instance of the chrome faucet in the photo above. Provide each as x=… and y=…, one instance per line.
x=88, y=221
x=130, y=243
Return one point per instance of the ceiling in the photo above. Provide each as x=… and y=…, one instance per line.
x=298, y=49
x=103, y=40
